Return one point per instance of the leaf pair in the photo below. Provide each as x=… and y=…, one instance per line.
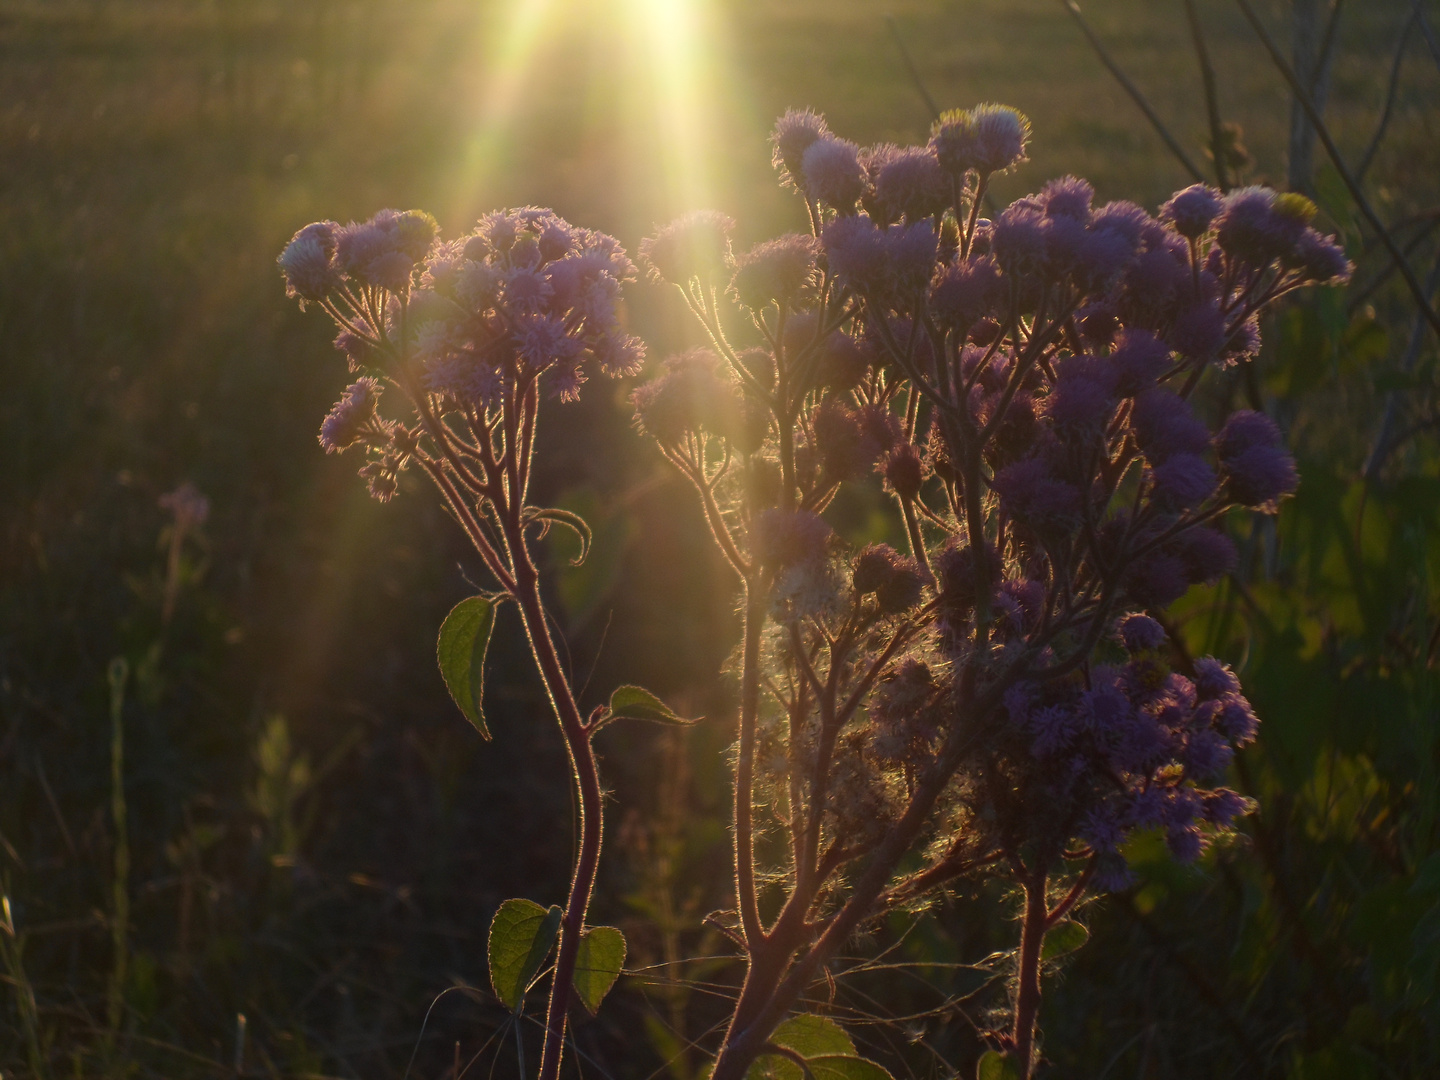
x=461, y=648
x=829, y=1054
x=522, y=935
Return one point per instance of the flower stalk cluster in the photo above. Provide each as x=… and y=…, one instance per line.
x=469, y=335
x=997, y=698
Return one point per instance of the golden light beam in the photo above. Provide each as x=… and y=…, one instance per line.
x=508, y=64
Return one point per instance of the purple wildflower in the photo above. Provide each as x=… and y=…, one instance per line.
x=1223, y=806
x=911, y=184
x=189, y=507
x=1214, y=679
x=619, y=354
x=308, y=262
x=780, y=270
x=1018, y=239
x=696, y=244
x=1260, y=476
x=1069, y=197
x=965, y=291
x=1139, y=358
x=1164, y=424
x=1237, y=720
x=858, y=253
x=1199, y=332
x=1140, y=633
x=342, y=426
x=1256, y=227
x=1030, y=493
x=1320, y=259
x=794, y=134
x=911, y=251
x=833, y=174
x=1207, y=554
x=688, y=395
x=1244, y=429
x=1000, y=134
x=1183, y=481
x=1191, y=211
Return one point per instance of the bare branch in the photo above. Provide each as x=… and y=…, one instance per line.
x=1416, y=289
x=1134, y=91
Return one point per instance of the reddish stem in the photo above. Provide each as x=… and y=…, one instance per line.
x=1027, y=998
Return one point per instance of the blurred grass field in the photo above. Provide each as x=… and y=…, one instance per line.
x=154, y=157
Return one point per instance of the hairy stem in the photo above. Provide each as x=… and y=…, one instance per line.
x=586, y=775
x=1027, y=997
x=745, y=893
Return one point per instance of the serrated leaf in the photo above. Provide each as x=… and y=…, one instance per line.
x=813, y=1036
x=460, y=650
x=637, y=703
x=521, y=937
x=598, y=964
x=996, y=1066
x=1064, y=937
x=846, y=1067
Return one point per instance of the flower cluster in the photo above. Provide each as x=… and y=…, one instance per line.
x=1132, y=746
x=464, y=328
x=1023, y=388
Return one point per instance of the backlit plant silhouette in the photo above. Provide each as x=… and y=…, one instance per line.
x=469, y=335
x=1001, y=698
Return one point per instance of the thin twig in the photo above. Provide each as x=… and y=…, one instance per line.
x=1417, y=290
x=1359, y=297
x=1428, y=33
x=1134, y=91
x=1392, y=86
x=1212, y=99
x=912, y=69
x=1384, y=442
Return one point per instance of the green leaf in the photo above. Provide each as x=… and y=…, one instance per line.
x=598, y=964
x=637, y=703
x=1064, y=937
x=996, y=1066
x=813, y=1036
x=464, y=637
x=521, y=937
x=846, y=1067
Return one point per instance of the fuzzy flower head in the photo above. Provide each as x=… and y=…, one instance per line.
x=187, y=504
x=911, y=184
x=1191, y=211
x=694, y=245
x=777, y=271
x=385, y=251
x=833, y=174
x=794, y=134
x=527, y=295
x=689, y=395
x=308, y=262
x=345, y=422
x=989, y=138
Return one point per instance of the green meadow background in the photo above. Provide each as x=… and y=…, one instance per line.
x=318, y=840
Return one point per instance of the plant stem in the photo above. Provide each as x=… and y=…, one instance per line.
x=1027, y=998
x=120, y=884
x=586, y=774
x=745, y=895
